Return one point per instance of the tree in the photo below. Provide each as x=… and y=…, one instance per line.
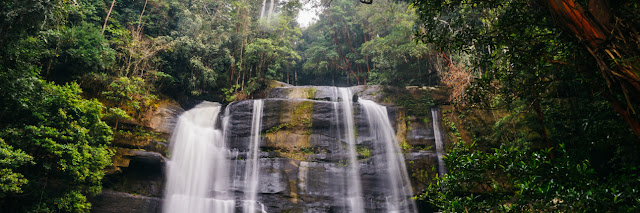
x=606, y=31
x=555, y=129
x=355, y=44
x=53, y=145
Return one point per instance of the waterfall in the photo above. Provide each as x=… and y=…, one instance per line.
x=435, y=115
x=354, y=194
x=382, y=131
x=253, y=163
x=197, y=176
x=204, y=175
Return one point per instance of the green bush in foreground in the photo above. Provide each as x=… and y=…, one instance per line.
x=507, y=179
x=52, y=147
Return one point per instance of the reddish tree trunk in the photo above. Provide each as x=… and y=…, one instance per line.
x=614, y=46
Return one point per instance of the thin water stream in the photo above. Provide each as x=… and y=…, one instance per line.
x=252, y=171
x=435, y=115
x=399, y=200
x=354, y=194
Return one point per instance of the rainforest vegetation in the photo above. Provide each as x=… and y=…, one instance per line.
x=543, y=108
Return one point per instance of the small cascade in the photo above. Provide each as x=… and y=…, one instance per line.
x=354, y=193
x=197, y=176
x=399, y=200
x=253, y=163
x=435, y=114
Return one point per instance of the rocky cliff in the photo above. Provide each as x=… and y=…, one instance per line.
x=302, y=157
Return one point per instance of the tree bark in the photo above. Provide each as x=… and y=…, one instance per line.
x=615, y=46
x=107, y=18
x=139, y=29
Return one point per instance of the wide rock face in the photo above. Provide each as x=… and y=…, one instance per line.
x=303, y=157
x=303, y=162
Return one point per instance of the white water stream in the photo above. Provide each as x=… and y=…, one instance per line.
x=198, y=172
x=252, y=171
x=380, y=128
x=435, y=115
x=354, y=194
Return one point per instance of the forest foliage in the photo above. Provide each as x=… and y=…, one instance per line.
x=559, y=137
x=356, y=43
x=72, y=71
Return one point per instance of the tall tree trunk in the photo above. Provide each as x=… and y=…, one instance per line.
x=139, y=28
x=264, y=2
x=107, y=18
x=270, y=11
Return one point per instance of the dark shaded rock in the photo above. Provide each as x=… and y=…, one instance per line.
x=420, y=132
x=140, y=172
x=151, y=160
x=117, y=202
x=240, y=118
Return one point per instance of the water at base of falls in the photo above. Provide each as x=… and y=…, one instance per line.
x=198, y=169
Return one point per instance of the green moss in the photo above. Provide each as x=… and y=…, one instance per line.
x=276, y=128
x=299, y=154
x=311, y=92
x=306, y=150
x=426, y=120
x=419, y=106
x=355, y=132
x=301, y=120
x=405, y=146
x=364, y=151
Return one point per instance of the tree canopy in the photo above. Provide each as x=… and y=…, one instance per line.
x=560, y=79
x=555, y=69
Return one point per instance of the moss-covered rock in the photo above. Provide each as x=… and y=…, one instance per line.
x=293, y=130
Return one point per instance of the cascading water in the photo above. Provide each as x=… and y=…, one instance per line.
x=354, y=193
x=206, y=176
x=399, y=200
x=252, y=166
x=197, y=174
x=435, y=114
